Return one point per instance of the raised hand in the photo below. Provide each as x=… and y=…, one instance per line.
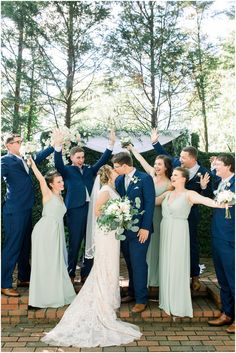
x=129, y=148
x=204, y=180
x=30, y=162
x=112, y=137
x=154, y=135
x=57, y=138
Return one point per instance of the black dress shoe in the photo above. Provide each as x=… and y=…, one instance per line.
x=127, y=299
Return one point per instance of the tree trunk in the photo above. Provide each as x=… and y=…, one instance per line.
x=202, y=93
x=31, y=103
x=70, y=67
x=152, y=55
x=16, y=115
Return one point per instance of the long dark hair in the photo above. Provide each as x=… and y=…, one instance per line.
x=167, y=164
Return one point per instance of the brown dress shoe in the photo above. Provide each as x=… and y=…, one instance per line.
x=127, y=299
x=231, y=328
x=10, y=292
x=196, y=284
x=221, y=321
x=138, y=308
x=23, y=283
x=83, y=279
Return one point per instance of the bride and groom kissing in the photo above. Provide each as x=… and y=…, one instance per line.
x=91, y=320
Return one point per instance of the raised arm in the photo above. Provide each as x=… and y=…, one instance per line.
x=57, y=137
x=160, y=199
x=46, y=192
x=106, y=155
x=195, y=198
x=146, y=166
x=101, y=200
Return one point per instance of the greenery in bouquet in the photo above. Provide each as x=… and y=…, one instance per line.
x=119, y=215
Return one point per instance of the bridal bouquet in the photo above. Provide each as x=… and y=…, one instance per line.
x=227, y=197
x=117, y=214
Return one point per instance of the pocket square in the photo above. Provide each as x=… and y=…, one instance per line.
x=136, y=187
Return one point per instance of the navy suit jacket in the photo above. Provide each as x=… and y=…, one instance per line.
x=222, y=227
x=20, y=192
x=75, y=181
x=144, y=189
x=192, y=184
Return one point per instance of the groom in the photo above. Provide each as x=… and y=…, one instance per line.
x=133, y=184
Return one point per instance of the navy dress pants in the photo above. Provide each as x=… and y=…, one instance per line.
x=76, y=223
x=16, y=246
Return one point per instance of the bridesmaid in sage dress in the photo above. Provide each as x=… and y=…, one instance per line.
x=174, y=290
x=50, y=284
x=161, y=173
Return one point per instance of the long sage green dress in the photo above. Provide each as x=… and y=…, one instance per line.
x=50, y=284
x=174, y=289
x=154, y=245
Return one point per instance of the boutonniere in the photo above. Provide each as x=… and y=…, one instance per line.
x=199, y=175
x=134, y=180
x=228, y=184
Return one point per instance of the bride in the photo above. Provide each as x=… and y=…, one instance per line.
x=90, y=320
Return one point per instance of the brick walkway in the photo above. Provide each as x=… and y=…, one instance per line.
x=157, y=337
x=22, y=328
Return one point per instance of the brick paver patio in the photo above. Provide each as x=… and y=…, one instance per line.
x=23, y=328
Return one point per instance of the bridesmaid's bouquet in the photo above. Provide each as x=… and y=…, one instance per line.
x=125, y=141
x=226, y=197
x=117, y=214
x=29, y=149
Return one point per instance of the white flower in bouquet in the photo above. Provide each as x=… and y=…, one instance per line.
x=118, y=215
x=29, y=148
x=227, y=197
x=125, y=141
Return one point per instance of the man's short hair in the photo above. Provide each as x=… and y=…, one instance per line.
x=123, y=158
x=10, y=138
x=228, y=160
x=192, y=151
x=76, y=149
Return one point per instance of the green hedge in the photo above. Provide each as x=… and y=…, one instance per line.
x=93, y=156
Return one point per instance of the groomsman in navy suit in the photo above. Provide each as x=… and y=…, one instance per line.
x=79, y=179
x=199, y=182
x=17, y=214
x=133, y=184
x=223, y=244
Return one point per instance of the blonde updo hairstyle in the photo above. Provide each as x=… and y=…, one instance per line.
x=105, y=174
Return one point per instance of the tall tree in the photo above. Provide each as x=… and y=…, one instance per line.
x=147, y=47
x=21, y=14
x=203, y=62
x=74, y=25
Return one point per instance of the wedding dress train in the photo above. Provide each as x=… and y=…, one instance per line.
x=90, y=320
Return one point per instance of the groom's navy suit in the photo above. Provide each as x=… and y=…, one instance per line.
x=76, y=182
x=17, y=216
x=194, y=217
x=134, y=252
x=223, y=249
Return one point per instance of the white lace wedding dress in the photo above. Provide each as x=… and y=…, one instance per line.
x=90, y=320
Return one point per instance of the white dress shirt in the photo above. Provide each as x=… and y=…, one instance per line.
x=128, y=178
